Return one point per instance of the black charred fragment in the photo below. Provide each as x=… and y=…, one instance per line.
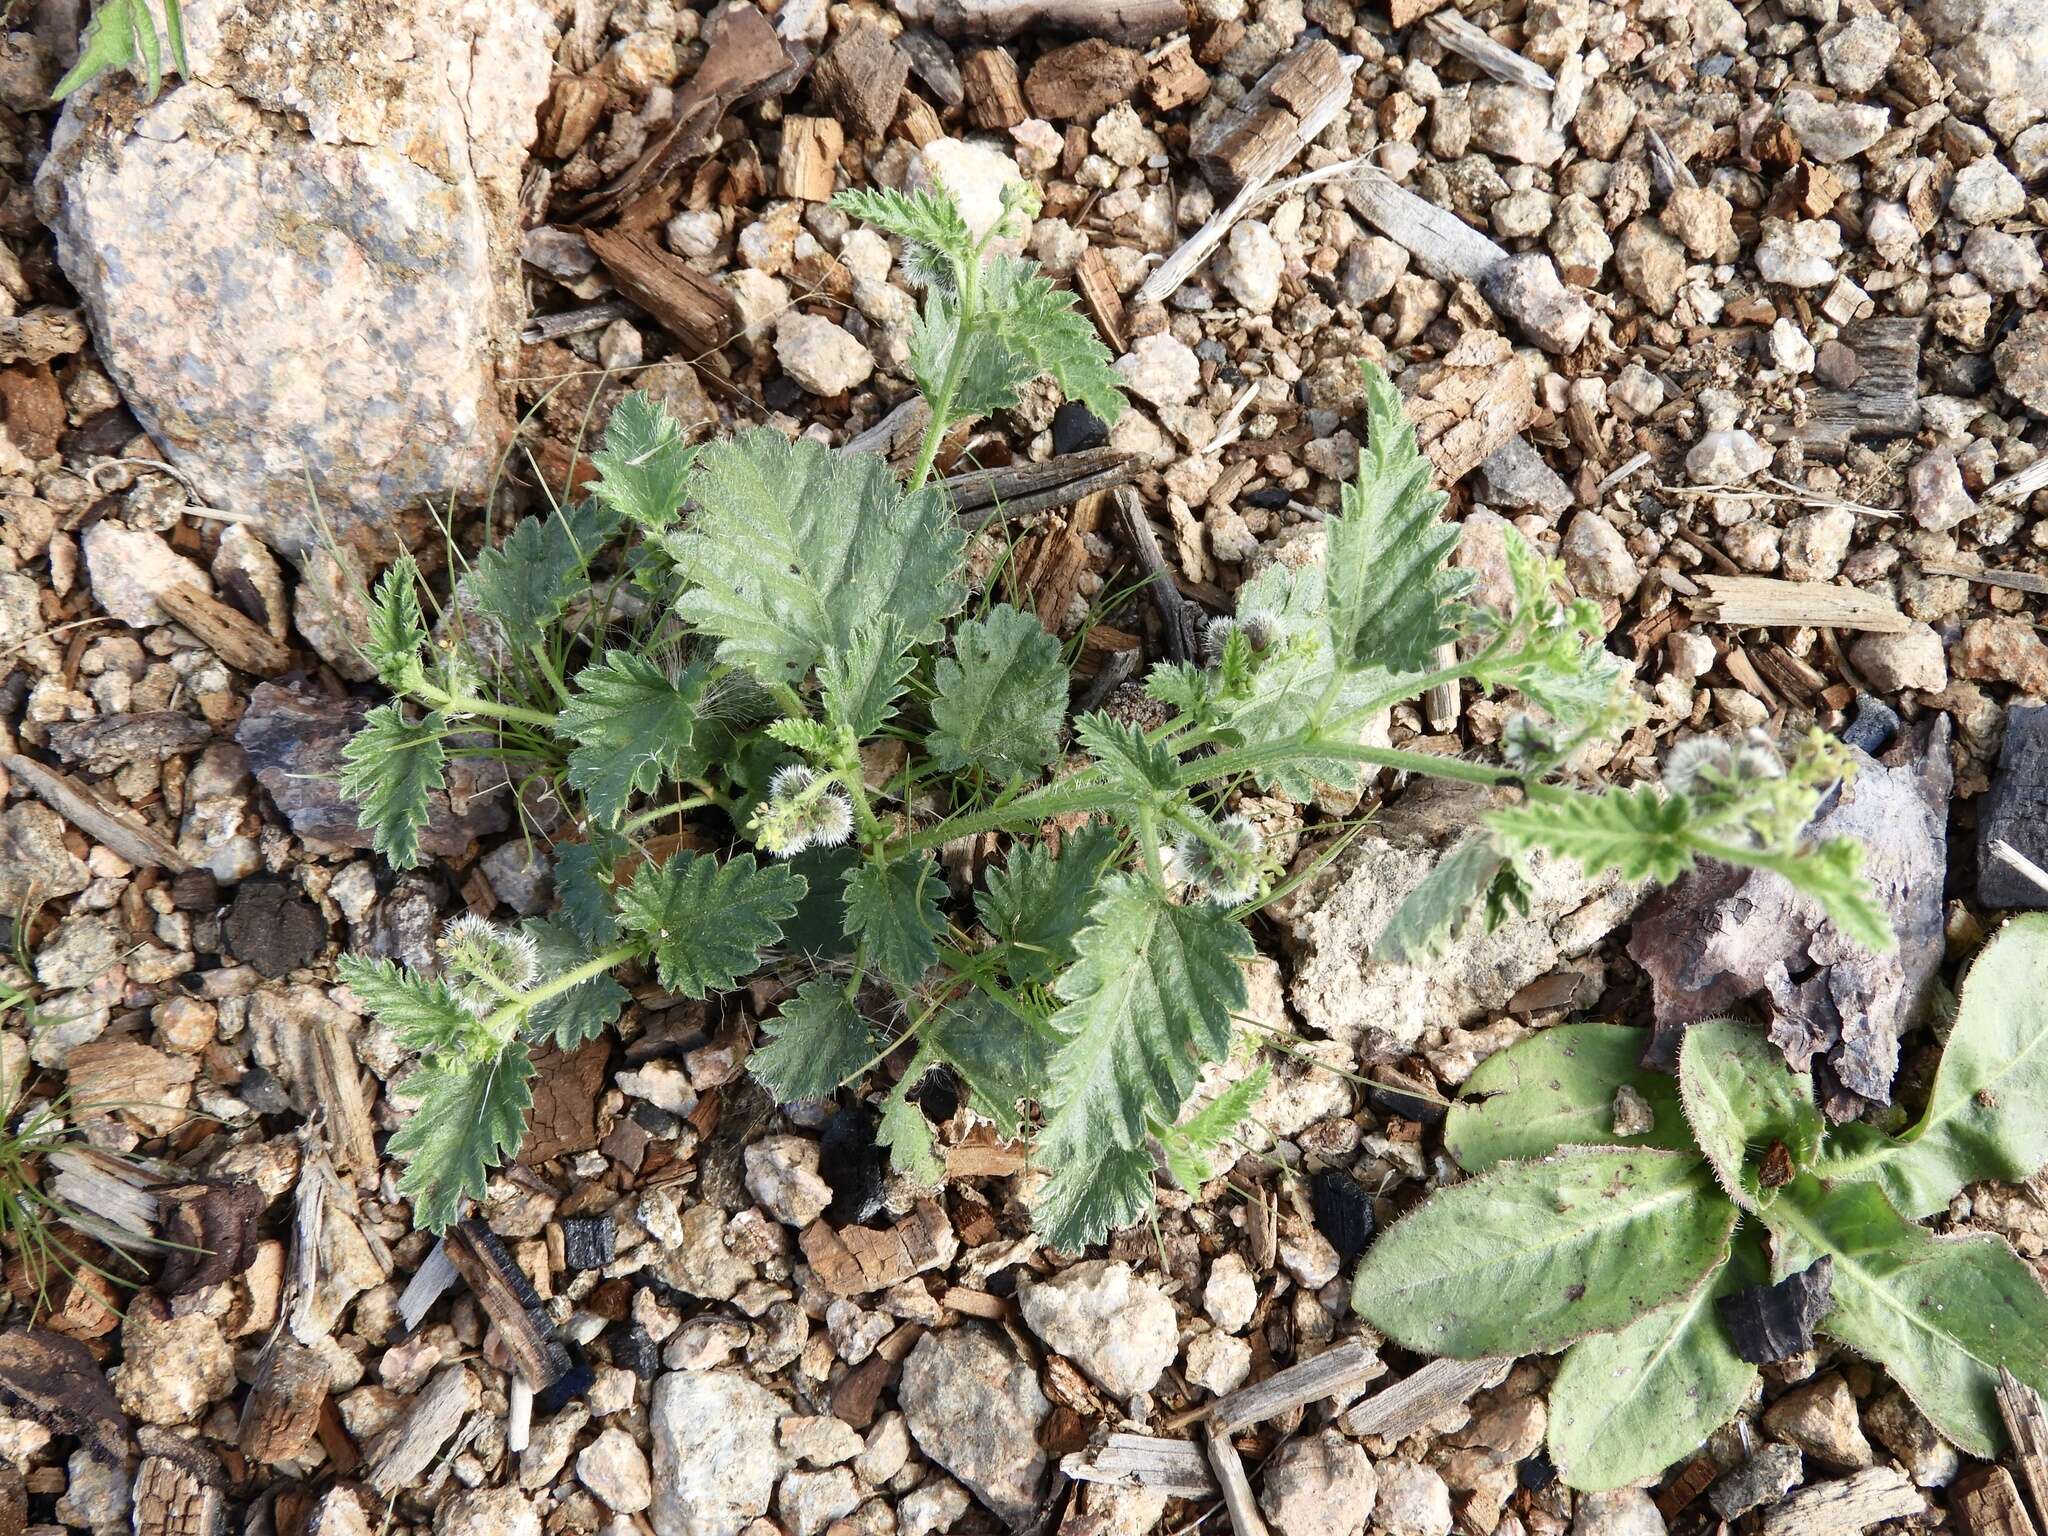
x=1343, y=1212
x=576, y=1379
x=634, y=1349
x=55, y=1381
x=1769, y=1323
x=589, y=1242
x=855, y=1167
x=272, y=927
x=1419, y=1107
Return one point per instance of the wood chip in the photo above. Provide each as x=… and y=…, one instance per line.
x=1177, y=1468
x=1414, y=1401
x=1257, y=137
x=1987, y=1503
x=809, y=160
x=1120, y=21
x=1767, y=601
x=994, y=92
x=1970, y=570
x=281, y=1418
x=2026, y=1422
x=1096, y=285
x=98, y=818
x=853, y=1260
x=509, y=1300
x=56, y=1382
x=987, y=496
x=861, y=77
x=686, y=303
x=1237, y=1489
x=403, y=1453
x=1176, y=79
x=178, y=1487
x=235, y=638
x=1844, y=1508
x=1503, y=64
x=1885, y=399
x=1464, y=414
x=1335, y=1372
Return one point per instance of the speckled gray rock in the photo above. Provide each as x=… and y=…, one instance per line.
x=1320, y=1487
x=716, y=1455
x=975, y=1408
x=1113, y=1323
x=1622, y=1512
x=1773, y=1472
x=277, y=301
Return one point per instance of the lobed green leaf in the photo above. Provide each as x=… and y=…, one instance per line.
x=862, y=682
x=397, y=627
x=1000, y=697
x=634, y=729
x=644, y=466
x=1639, y=833
x=1443, y=905
x=421, y=1012
x=525, y=583
x=471, y=1117
x=586, y=1010
x=1037, y=901
x=708, y=923
x=390, y=770
x=893, y=909
x=816, y=1043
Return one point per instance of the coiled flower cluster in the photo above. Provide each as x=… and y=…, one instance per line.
x=801, y=811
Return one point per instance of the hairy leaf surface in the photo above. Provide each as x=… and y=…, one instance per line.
x=421, y=1012
x=1740, y=1097
x=1002, y=1051
x=397, y=627
x=1037, y=902
x=708, y=923
x=1982, y=1119
x=583, y=881
x=1145, y=768
x=587, y=1009
x=1528, y=1257
x=644, y=466
x=1001, y=696
x=1941, y=1314
x=893, y=909
x=634, y=728
x=862, y=683
x=1191, y=1146
x=1080, y=1202
x=471, y=1117
x=1394, y=597
x=1627, y=1405
x=389, y=772
x=526, y=582
x=1039, y=322
x=1639, y=833
x=813, y=1045
x=1450, y=896
x=926, y=217
x=1556, y=1089
x=794, y=548
x=904, y=1130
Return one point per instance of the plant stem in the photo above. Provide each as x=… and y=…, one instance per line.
x=469, y=704
x=1148, y=839
x=673, y=808
x=549, y=671
x=1243, y=760
x=555, y=986
x=1066, y=798
x=949, y=383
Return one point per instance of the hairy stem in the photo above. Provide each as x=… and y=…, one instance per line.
x=469, y=704
x=555, y=986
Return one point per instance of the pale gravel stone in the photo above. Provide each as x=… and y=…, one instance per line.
x=129, y=567
x=1799, y=254
x=1161, y=370
x=1597, y=558
x=343, y=290
x=782, y=1173
x=975, y=1409
x=1230, y=1295
x=1116, y=1325
x=1619, y=1512
x=1412, y=1500
x=1324, y=1486
x=615, y=1469
x=974, y=172
x=716, y=1456
x=1985, y=191
x=824, y=358
x=1249, y=266
x=487, y=1512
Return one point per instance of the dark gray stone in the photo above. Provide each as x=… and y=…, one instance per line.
x=2016, y=811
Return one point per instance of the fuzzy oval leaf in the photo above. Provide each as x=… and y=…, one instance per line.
x=1001, y=696
x=1739, y=1097
x=1940, y=1314
x=1983, y=1119
x=1626, y=1405
x=1528, y=1257
x=1557, y=1089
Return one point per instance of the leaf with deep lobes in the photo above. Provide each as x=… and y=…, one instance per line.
x=1000, y=697
x=471, y=1117
x=389, y=772
x=708, y=923
x=644, y=466
x=587, y=1009
x=813, y=1045
x=893, y=909
x=1037, y=901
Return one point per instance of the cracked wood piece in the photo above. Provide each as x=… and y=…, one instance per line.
x=231, y=635
x=1333, y=1373
x=55, y=1381
x=1415, y=1400
x=177, y=1488
x=1105, y=306
x=86, y=809
x=1175, y=78
x=1444, y=246
x=325, y=1076
x=856, y=1260
x=1178, y=618
x=1177, y=1468
x=1970, y=570
x=997, y=21
x=1844, y=1508
x=403, y=1452
x=993, y=91
x=809, y=159
x=1292, y=103
x=1885, y=399
x=1236, y=1487
x=281, y=1418
x=1987, y=1503
x=896, y=433
x=682, y=300
x=2026, y=1422
x=1168, y=276
x=1464, y=414
x=574, y=322
x=1503, y=64
x=985, y=496
x=509, y=1299
x=1767, y=601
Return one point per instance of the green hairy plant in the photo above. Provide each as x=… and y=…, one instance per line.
x=1618, y=1248
x=754, y=677
x=123, y=35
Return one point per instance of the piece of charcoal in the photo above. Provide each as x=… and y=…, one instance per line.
x=855, y=1168
x=567, y=1387
x=1343, y=1212
x=634, y=1349
x=263, y=1093
x=1271, y=497
x=938, y=1095
x=1406, y=1106
x=1769, y=1323
x=2016, y=811
x=589, y=1242
x=1076, y=429
x=1874, y=726
x=272, y=927
x=1537, y=1472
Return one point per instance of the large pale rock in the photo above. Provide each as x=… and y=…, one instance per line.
x=302, y=262
x=1101, y=1315
x=716, y=1456
x=975, y=1409
x=1341, y=991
